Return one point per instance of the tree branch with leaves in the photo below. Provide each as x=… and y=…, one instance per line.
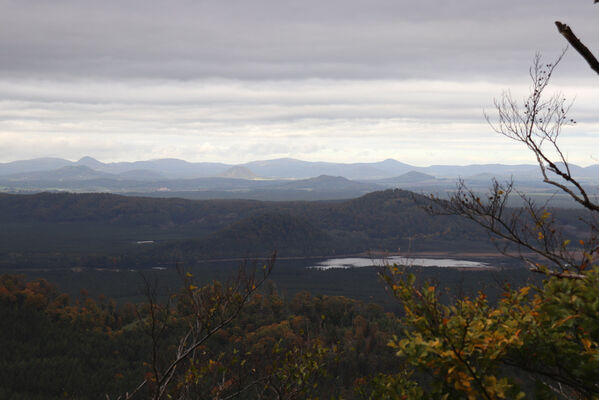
x=204, y=311
x=547, y=335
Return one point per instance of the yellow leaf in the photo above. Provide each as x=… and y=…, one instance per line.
x=586, y=343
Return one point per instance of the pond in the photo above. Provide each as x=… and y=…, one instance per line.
x=354, y=277
x=356, y=262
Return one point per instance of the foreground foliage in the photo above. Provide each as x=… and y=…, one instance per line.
x=309, y=346
x=536, y=340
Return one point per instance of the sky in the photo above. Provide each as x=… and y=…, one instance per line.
x=240, y=80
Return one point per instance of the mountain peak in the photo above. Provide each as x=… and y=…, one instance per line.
x=328, y=178
x=238, y=172
x=89, y=162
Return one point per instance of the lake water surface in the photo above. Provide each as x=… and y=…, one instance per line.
x=345, y=263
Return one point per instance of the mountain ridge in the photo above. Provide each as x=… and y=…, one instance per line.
x=282, y=168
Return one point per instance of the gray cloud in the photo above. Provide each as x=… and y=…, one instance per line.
x=233, y=80
x=264, y=39
x=236, y=121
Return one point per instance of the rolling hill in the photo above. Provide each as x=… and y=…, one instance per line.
x=105, y=230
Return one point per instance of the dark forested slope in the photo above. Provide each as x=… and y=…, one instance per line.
x=101, y=230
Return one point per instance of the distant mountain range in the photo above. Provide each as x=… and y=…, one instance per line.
x=279, y=179
x=282, y=168
x=167, y=167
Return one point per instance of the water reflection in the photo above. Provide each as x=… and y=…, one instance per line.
x=356, y=262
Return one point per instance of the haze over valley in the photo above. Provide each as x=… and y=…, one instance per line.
x=278, y=179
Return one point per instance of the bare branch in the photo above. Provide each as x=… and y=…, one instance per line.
x=531, y=227
x=211, y=308
x=584, y=51
x=566, y=275
x=538, y=122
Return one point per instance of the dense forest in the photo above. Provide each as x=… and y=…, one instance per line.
x=110, y=231
x=242, y=337
x=256, y=343
x=55, y=346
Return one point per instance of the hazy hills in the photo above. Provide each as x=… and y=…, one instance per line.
x=279, y=179
x=283, y=168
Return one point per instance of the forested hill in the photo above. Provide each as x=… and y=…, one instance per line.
x=102, y=230
x=121, y=210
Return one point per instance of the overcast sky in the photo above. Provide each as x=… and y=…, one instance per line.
x=242, y=80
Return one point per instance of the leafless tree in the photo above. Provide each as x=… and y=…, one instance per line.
x=537, y=122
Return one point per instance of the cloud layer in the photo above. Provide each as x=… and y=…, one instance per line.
x=241, y=80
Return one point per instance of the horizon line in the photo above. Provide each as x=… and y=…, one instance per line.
x=271, y=159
